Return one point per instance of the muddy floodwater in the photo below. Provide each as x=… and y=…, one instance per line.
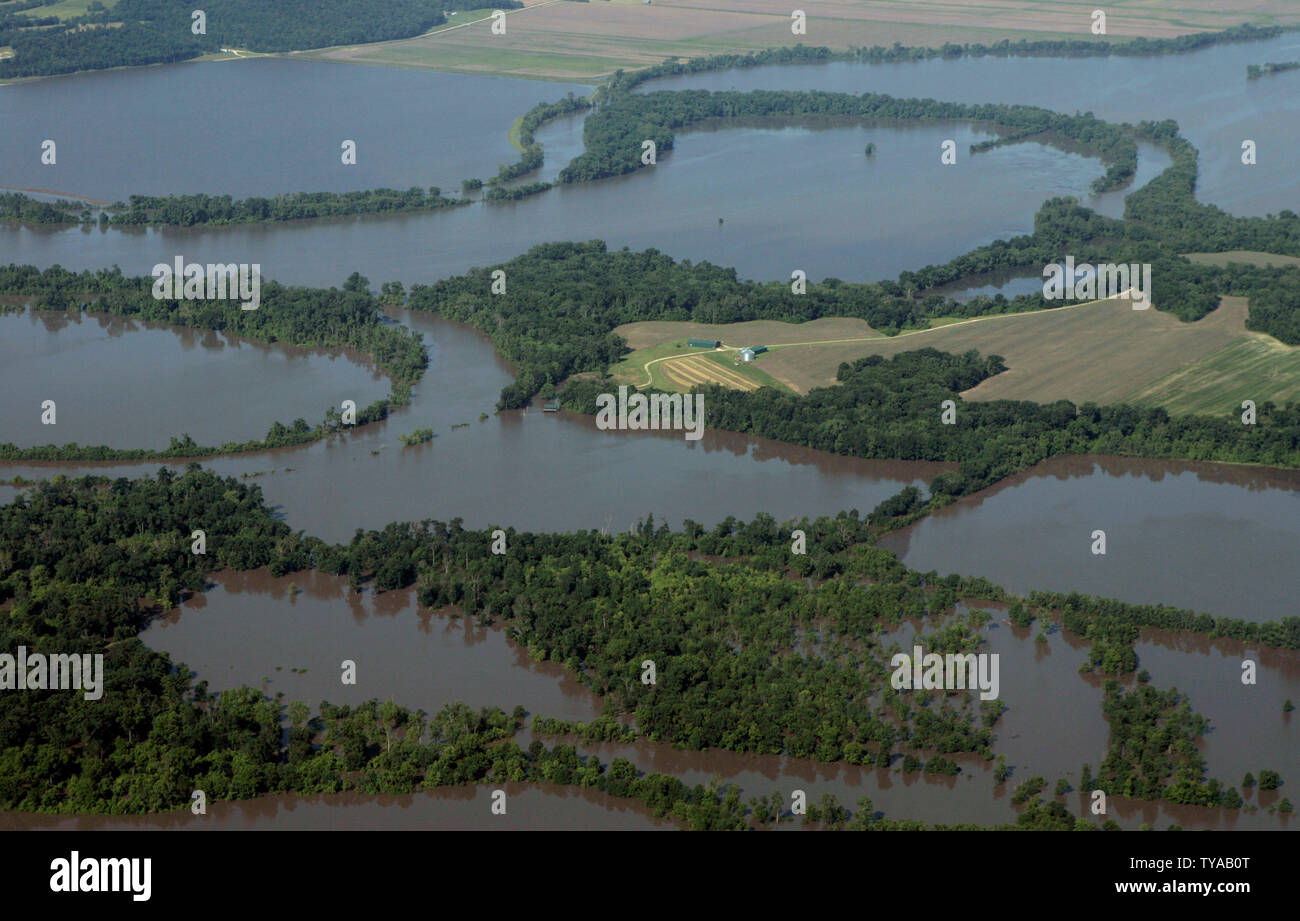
x=529, y=470
x=557, y=472
x=1211, y=537
x=533, y=807
x=248, y=629
x=1205, y=91
x=290, y=635
x=1214, y=538
x=821, y=216
x=128, y=384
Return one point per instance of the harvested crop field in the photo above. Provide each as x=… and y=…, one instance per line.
x=694, y=370
x=755, y=332
x=1102, y=352
x=559, y=40
x=1098, y=352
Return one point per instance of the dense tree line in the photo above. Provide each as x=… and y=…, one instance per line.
x=601, y=729
x=805, y=54
x=515, y=192
x=154, y=737
x=112, y=552
x=749, y=656
x=564, y=300
x=14, y=206
x=196, y=209
x=530, y=157
x=68, y=47
x=624, y=81
x=189, y=210
x=890, y=408
x=1275, y=305
x=1081, y=612
x=562, y=296
x=1152, y=752
x=1255, y=71
x=136, y=32
x=1166, y=208
x=601, y=606
x=1163, y=219
x=613, y=135
x=305, y=317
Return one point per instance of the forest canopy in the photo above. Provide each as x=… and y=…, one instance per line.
x=86, y=563
x=135, y=32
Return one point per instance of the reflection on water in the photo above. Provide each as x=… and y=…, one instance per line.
x=552, y=472
x=1205, y=91
x=534, y=807
x=823, y=217
x=248, y=629
x=1210, y=537
x=129, y=384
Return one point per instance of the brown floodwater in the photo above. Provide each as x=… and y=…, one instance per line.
x=247, y=624
x=1053, y=724
x=821, y=217
x=970, y=797
x=1248, y=728
x=1211, y=537
x=529, y=470
x=529, y=807
x=129, y=384
x=248, y=629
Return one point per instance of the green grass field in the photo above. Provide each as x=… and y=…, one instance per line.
x=1253, y=368
x=1243, y=256
x=474, y=60
x=461, y=17
x=751, y=371
x=654, y=366
x=64, y=9
x=513, y=134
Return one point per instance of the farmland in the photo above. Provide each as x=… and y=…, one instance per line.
x=1255, y=367
x=694, y=370
x=64, y=9
x=1102, y=352
x=1242, y=256
x=756, y=332
x=584, y=42
x=672, y=366
x=659, y=348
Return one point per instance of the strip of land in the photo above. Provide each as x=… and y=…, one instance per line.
x=1102, y=351
x=587, y=41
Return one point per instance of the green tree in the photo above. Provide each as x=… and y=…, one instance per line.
x=1001, y=772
